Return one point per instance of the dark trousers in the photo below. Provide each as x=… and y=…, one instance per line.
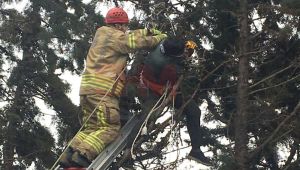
x=192, y=114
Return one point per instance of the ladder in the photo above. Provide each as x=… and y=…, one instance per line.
x=127, y=134
x=108, y=155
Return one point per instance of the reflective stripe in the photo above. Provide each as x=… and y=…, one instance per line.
x=100, y=116
x=103, y=120
x=97, y=140
x=101, y=83
x=96, y=134
x=93, y=144
x=81, y=136
x=132, y=43
x=95, y=76
x=101, y=86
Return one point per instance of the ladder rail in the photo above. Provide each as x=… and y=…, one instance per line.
x=108, y=155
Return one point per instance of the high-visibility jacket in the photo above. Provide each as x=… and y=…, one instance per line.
x=159, y=70
x=108, y=56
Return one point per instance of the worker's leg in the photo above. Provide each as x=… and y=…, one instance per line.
x=192, y=113
x=127, y=101
x=90, y=126
x=100, y=130
x=149, y=101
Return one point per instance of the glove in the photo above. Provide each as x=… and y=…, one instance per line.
x=161, y=36
x=190, y=45
x=154, y=31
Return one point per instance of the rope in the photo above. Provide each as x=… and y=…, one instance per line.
x=172, y=114
x=153, y=109
x=174, y=129
x=84, y=123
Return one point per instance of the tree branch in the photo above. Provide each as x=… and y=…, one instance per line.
x=272, y=136
x=255, y=91
x=273, y=75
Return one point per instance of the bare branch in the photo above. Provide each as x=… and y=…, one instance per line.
x=255, y=91
x=273, y=75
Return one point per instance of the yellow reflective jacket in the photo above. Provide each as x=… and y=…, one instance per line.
x=107, y=57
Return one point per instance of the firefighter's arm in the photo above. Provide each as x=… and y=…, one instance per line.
x=146, y=32
x=139, y=39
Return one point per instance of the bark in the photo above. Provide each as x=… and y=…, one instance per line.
x=242, y=92
x=8, y=149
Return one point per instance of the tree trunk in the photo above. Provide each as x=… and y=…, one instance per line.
x=241, y=138
x=8, y=149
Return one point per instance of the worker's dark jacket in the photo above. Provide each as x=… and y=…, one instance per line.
x=159, y=70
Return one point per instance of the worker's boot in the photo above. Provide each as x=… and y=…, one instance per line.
x=80, y=160
x=198, y=156
x=65, y=160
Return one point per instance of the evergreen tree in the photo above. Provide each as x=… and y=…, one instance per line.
x=38, y=44
x=253, y=92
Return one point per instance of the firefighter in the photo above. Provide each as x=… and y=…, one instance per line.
x=161, y=67
x=101, y=85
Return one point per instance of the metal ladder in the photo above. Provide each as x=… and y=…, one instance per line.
x=127, y=134
x=108, y=155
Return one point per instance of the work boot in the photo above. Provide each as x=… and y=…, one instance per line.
x=65, y=160
x=80, y=160
x=198, y=156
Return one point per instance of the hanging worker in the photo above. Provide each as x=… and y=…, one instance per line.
x=101, y=85
x=164, y=66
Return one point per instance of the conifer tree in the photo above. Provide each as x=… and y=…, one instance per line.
x=270, y=91
x=38, y=44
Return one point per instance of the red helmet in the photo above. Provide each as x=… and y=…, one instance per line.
x=116, y=15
